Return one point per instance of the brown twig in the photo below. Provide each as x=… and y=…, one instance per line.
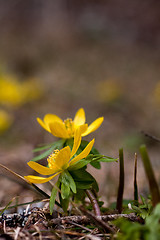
x=94, y=202
x=150, y=136
x=98, y=221
x=85, y=219
x=78, y=225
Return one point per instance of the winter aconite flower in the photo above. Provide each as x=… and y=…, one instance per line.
x=66, y=129
x=60, y=160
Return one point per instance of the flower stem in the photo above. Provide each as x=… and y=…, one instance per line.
x=94, y=202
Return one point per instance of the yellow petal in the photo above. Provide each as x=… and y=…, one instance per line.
x=77, y=141
x=83, y=128
x=48, y=118
x=83, y=154
x=93, y=126
x=41, y=169
x=79, y=118
x=63, y=157
x=36, y=179
x=45, y=126
x=58, y=129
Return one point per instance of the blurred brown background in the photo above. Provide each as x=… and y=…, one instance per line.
x=103, y=56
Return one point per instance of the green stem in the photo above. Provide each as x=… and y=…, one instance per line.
x=150, y=175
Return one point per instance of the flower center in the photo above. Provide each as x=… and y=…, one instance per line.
x=51, y=158
x=69, y=124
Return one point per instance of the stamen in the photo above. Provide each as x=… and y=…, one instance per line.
x=51, y=158
x=69, y=124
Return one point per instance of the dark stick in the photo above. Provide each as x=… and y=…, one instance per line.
x=150, y=136
x=121, y=181
x=135, y=180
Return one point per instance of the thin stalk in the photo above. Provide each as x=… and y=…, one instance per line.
x=150, y=175
x=121, y=181
x=94, y=202
x=135, y=181
x=31, y=184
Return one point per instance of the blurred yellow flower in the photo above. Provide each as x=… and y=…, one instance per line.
x=108, y=91
x=10, y=91
x=60, y=160
x=66, y=129
x=14, y=93
x=5, y=120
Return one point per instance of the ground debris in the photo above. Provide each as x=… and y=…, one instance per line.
x=38, y=224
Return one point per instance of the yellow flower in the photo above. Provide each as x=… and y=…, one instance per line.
x=60, y=160
x=15, y=93
x=5, y=120
x=66, y=129
x=10, y=91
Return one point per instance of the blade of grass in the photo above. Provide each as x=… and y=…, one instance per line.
x=31, y=184
x=150, y=175
x=7, y=206
x=121, y=181
x=23, y=204
x=14, y=173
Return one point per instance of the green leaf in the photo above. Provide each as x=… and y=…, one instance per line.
x=80, y=164
x=107, y=159
x=83, y=179
x=55, y=145
x=64, y=203
x=38, y=149
x=96, y=164
x=65, y=185
x=85, y=143
x=71, y=181
x=84, y=185
x=81, y=175
x=100, y=158
x=69, y=142
x=95, y=185
x=94, y=151
x=53, y=196
x=80, y=196
x=52, y=199
x=65, y=190
x=43, y=155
